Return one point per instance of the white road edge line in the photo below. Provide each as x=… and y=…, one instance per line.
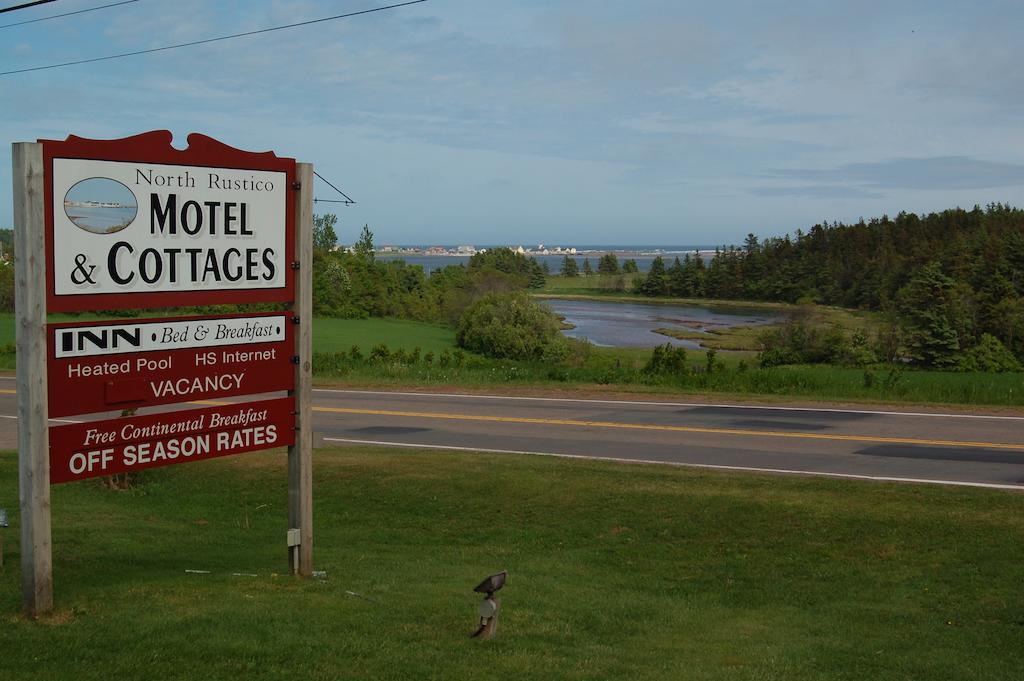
x=672, y=404
x=643, y=403
x=852, y=476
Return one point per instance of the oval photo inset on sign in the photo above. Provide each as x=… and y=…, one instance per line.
x=100, y=205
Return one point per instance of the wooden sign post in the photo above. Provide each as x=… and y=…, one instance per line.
x=300, y=455
x=30, y=341
x=138, y=224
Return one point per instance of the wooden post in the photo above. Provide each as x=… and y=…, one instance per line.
x=300, y=455
x=30, y=336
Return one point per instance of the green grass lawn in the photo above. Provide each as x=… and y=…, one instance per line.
x=616, y=572
x=338, y=335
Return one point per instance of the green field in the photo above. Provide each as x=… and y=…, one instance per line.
x=338, y=335
x=616, y=572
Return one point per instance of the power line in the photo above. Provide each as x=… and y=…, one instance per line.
x=25, y=5
x=68, y=14
x=348, y=200
x=210, y=40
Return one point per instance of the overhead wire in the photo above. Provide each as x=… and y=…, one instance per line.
x=210, y=40
x=67, y=14
x=24, y=5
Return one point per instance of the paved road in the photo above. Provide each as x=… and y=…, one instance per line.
x=920, y=447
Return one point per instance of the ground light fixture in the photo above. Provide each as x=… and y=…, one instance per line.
x=490, y=607
x=3, y=523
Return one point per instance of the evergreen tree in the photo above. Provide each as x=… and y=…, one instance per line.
x=587, y=269
x=608, y=264
x=569, y=267
x=677, y=280
x=538, y=277
x=925, y=308
x=629, y=266
x=656, y=281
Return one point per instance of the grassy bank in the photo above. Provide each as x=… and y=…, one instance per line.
x=735, y=373
x=617, y=572
x=622, y=370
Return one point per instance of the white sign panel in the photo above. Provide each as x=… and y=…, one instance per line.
x=112, y=339
x=147, y=228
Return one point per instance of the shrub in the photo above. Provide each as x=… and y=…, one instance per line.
x=990, y=355
x=666, y=360
x=797, y=342
x=510, y=326
x=380, y=353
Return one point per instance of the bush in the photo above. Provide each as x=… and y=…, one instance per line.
x=990, y=355
x=511, y=326
x=666, y=360
x=797, y=342
x=380, y=353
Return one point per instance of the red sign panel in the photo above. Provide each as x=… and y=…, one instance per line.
x=113, y=365
x=135, y=223
x=86, y=450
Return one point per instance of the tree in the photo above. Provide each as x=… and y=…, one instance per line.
x=538, y=277
x=925, y=308
x=677, y=283
x=656, y=281
x=324, y=236
x=364, y=247
x=629, y=266
x=587, y=269
x=569, y=267
x=608, y=264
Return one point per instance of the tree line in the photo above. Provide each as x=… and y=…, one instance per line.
x=353, y=283
x=954, y=280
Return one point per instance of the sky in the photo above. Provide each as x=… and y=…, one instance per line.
x=649, y=122
x=101, y=189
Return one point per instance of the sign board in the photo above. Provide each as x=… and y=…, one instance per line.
x=135, y=223
x=94, y=448
x=114, y=365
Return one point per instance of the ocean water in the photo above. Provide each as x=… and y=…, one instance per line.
x=100, y=220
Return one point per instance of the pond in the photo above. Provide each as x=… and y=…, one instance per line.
x=633, y=324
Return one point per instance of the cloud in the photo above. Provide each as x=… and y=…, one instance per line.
x=817, y=192
x=930, y=174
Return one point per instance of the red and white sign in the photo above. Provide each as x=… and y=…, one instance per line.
x=113, y=365
x=86, y=450
x=136, y=223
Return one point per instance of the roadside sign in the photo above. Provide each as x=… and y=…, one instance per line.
x=135, y=223
x=94, y=448
x=112, y=365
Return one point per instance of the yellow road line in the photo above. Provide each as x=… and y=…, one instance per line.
x=675, y=429
x=650, y=426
